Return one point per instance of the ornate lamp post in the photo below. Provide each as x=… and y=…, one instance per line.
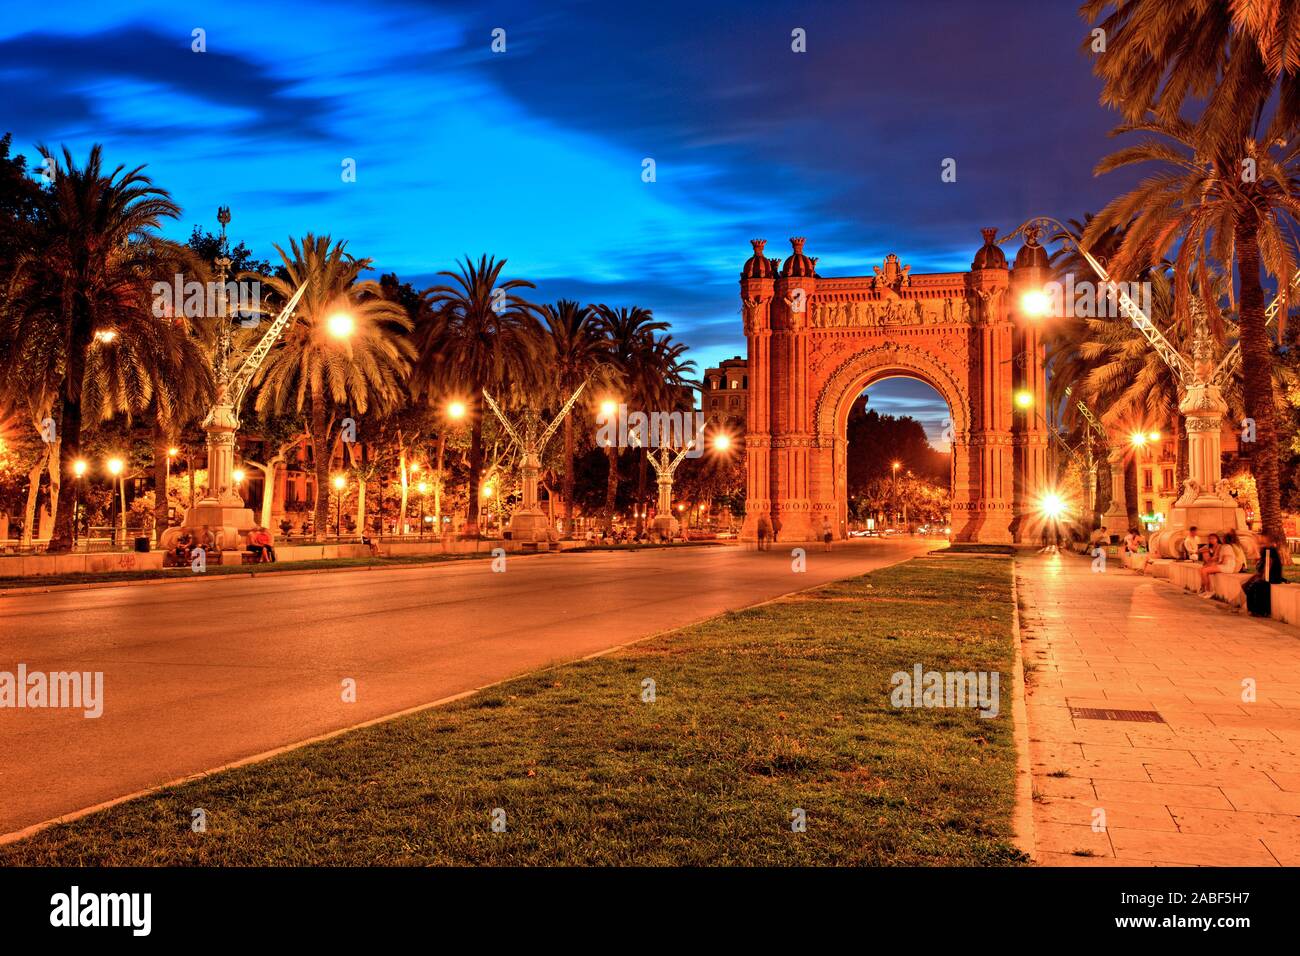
x=529, y=522
x=665, y=465
x=1205, y=502
x=221, y=508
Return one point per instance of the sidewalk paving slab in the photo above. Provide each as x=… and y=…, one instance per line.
x=1215, y=781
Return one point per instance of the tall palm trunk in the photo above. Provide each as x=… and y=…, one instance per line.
x=475, y=471
x=160, y=470
x=70, y=433
x=566, y=487
x=1257, y=377
x=320, y=452
x=611, y=485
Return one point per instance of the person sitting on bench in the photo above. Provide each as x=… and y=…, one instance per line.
x=1213, y=562
x=1268, y=571
x=259, y=544
x=183, y=545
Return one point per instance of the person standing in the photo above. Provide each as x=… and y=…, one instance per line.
x=828, y=536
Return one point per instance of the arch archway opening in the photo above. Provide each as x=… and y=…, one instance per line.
x=898, y=464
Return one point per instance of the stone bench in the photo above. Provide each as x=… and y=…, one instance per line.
x=1159, y=567
x=1227, y=587
x=1286, y=602
x=1138, y=561
x=1185, y=574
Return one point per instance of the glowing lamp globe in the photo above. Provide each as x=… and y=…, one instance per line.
x=1036, y=304
x=341, y=325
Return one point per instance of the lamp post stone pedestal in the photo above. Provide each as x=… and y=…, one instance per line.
x=1205, y=503
x=529, y=523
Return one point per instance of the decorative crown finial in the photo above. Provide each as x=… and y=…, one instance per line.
x=758, y=245
x=989, y=233
x=796, y=243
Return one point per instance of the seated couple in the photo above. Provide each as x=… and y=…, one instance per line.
x=1218, y=556
x=188, y=542
x=259, y=545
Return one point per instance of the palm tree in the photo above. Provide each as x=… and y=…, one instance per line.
x=1237, y=56
x=629, y=335
x=1243, y=59
x=1202, y=202
x=97, y=247
x=579, y=350
x=478, y=334
x=344, y=352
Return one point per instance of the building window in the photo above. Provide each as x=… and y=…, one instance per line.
x=746, y=382
x=735, y=384
x=1148, y=481
x=1168, y=478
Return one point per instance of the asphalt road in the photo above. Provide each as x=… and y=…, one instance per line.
x=197, y=675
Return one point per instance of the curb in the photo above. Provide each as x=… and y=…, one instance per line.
x=196, y=578
x=1022, y=819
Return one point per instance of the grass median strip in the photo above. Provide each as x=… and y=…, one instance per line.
x=756, y=715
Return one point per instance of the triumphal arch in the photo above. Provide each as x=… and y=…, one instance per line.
x=815, y=342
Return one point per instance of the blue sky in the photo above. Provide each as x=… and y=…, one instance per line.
x=536, y=154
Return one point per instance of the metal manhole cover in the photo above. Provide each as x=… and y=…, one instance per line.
x=1103, y=713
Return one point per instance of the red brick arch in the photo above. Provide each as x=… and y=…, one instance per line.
x=815, y=342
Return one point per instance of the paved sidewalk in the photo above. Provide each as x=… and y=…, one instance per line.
x=1217, y=783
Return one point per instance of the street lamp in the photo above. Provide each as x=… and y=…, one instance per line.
x=341, y=325
x=339, y=483
x=455, y=411
x=1036, y=304
x=1053, y=508
x=721, y=442
x=608, y=409
x=115, y=466
x=79, y=471
x=1024, y=399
